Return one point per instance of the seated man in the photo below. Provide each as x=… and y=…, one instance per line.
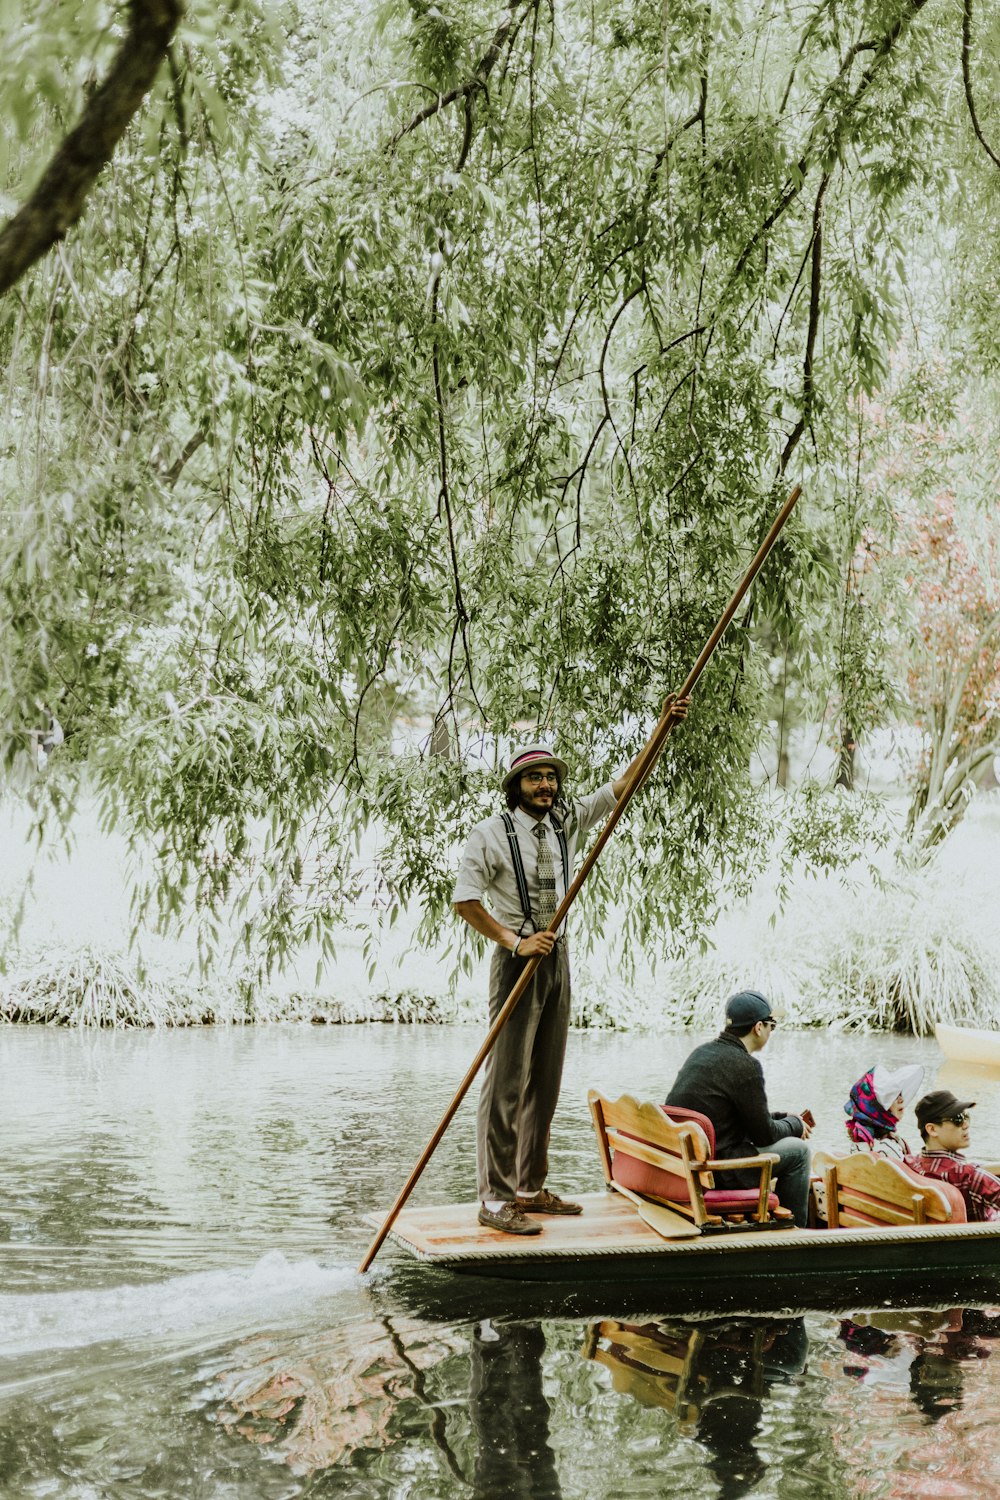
x=724, y=1081
x=944, y=1126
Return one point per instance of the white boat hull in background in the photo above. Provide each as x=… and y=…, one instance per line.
x=964, y=1044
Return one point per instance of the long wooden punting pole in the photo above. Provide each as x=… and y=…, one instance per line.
x=643, y=768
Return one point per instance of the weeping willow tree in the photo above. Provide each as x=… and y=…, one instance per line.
x=451, y=360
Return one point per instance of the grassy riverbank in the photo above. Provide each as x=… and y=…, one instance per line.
x=894, y=950
x=91, y=986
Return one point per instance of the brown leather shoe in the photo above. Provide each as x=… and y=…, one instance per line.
x=548, y=1203
x=508, y=1219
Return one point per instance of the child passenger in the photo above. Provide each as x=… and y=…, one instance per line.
x=876, y=1103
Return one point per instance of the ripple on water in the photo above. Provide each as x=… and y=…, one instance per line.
x=167, y=1310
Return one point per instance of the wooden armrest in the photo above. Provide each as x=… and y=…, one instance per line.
x=770, y=1157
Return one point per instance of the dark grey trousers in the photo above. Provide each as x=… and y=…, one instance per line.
x=522, y=1076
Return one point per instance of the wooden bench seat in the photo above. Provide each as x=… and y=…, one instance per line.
x=865, y=1191
x=651, y=1152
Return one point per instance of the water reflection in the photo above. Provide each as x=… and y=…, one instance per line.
x=339, y=1399
x=933, y=1347
x=327, y=1398
x=492, y=1408
x=510, y=1414
x=713, y=1378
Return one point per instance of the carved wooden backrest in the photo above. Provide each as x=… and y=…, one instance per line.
x=644, y=1131
x=865, y=1190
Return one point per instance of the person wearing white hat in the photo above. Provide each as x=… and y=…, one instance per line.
x=875, y=1105
x=521, y=863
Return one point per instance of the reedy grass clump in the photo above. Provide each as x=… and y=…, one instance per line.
x=107, y=989
x=918, y=960
x=89, y=987
x=897, y=955
x=406, y=1007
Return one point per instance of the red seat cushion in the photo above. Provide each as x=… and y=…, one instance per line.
x=652, y=1182
x=681, y=1116
x=656, y=1182
x=951, y=1192
x=735, y=1200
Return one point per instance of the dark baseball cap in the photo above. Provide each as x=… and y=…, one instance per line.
x=939, y=1105
x=746, y=1008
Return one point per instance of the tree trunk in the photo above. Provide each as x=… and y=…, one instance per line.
x=988, y=780
x=845, y=764
x=441, y=737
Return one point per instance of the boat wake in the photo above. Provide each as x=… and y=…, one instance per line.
x=206, y=1300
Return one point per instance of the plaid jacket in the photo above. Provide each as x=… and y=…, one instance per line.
x=981, y=1190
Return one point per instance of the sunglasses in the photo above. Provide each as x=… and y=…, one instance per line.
x=959, y=1119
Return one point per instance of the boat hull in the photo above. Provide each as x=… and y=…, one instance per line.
x=609, y=1243
x=964, y=1044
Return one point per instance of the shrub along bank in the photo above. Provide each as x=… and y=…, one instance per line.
x=891, y=956
x=100, y=988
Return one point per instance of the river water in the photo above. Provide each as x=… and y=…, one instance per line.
x=181, y=1216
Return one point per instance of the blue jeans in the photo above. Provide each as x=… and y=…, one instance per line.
x=792, y=1175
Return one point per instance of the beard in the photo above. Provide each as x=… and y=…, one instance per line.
x=538, y=801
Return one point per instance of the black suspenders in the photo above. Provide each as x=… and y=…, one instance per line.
x=518, y=863
x=563, y=850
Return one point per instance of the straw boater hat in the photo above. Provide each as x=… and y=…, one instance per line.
x=532, y=753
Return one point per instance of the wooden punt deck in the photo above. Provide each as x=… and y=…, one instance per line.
x=609, y=1241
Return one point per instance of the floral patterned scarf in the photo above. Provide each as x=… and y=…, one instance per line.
x=867, y=1121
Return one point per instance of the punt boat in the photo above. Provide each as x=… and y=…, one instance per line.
x=609, y=1242
x=662, y=1222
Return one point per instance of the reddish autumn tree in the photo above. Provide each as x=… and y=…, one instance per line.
x=953, y=676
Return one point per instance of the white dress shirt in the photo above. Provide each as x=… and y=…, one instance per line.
x=486, y=871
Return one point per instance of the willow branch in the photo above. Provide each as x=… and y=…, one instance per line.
x=881, y=47
x=967, y=80
x=58, y=200
x=503, y=37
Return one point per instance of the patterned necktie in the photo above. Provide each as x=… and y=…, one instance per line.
x=546, y=904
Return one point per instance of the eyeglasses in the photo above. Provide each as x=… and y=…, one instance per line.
x=772, y=1023
x=535, y=778
x=961, y=1119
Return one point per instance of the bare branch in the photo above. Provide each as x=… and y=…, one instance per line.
x=196, y=441
x=815, y=287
